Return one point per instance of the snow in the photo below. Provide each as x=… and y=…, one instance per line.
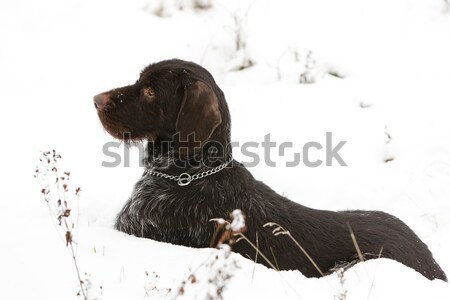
x=394, y=60
x=238, y=221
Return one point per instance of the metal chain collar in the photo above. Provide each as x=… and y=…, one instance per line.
x=185, y=178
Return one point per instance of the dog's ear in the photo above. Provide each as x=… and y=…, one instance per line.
x=198, y=117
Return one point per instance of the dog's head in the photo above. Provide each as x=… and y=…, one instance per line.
x=172, y=100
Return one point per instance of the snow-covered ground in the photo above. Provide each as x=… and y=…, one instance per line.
x=394, y=60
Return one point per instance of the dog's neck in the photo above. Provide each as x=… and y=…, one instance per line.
x=162, y=156
x=164, y=162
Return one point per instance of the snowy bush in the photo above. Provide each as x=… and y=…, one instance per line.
x=60, y=198
x=209, y=280
x=240, y=58
x=310, y=73
x=166, y=8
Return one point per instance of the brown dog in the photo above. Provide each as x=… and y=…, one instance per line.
x=191, y=179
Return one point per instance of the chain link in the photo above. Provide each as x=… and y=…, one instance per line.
x=184, y=178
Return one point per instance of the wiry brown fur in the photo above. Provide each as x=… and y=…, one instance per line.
x=160, y=209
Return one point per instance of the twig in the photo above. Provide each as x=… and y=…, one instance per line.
x=55, y=195
x=355, y=243
x=241, y=236
x=256, y=255
x=373, y=280
x=280, y=230
x=274, y=258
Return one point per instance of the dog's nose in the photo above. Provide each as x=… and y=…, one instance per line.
x=100, y=100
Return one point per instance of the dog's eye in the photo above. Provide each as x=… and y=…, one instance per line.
x=149, y=93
